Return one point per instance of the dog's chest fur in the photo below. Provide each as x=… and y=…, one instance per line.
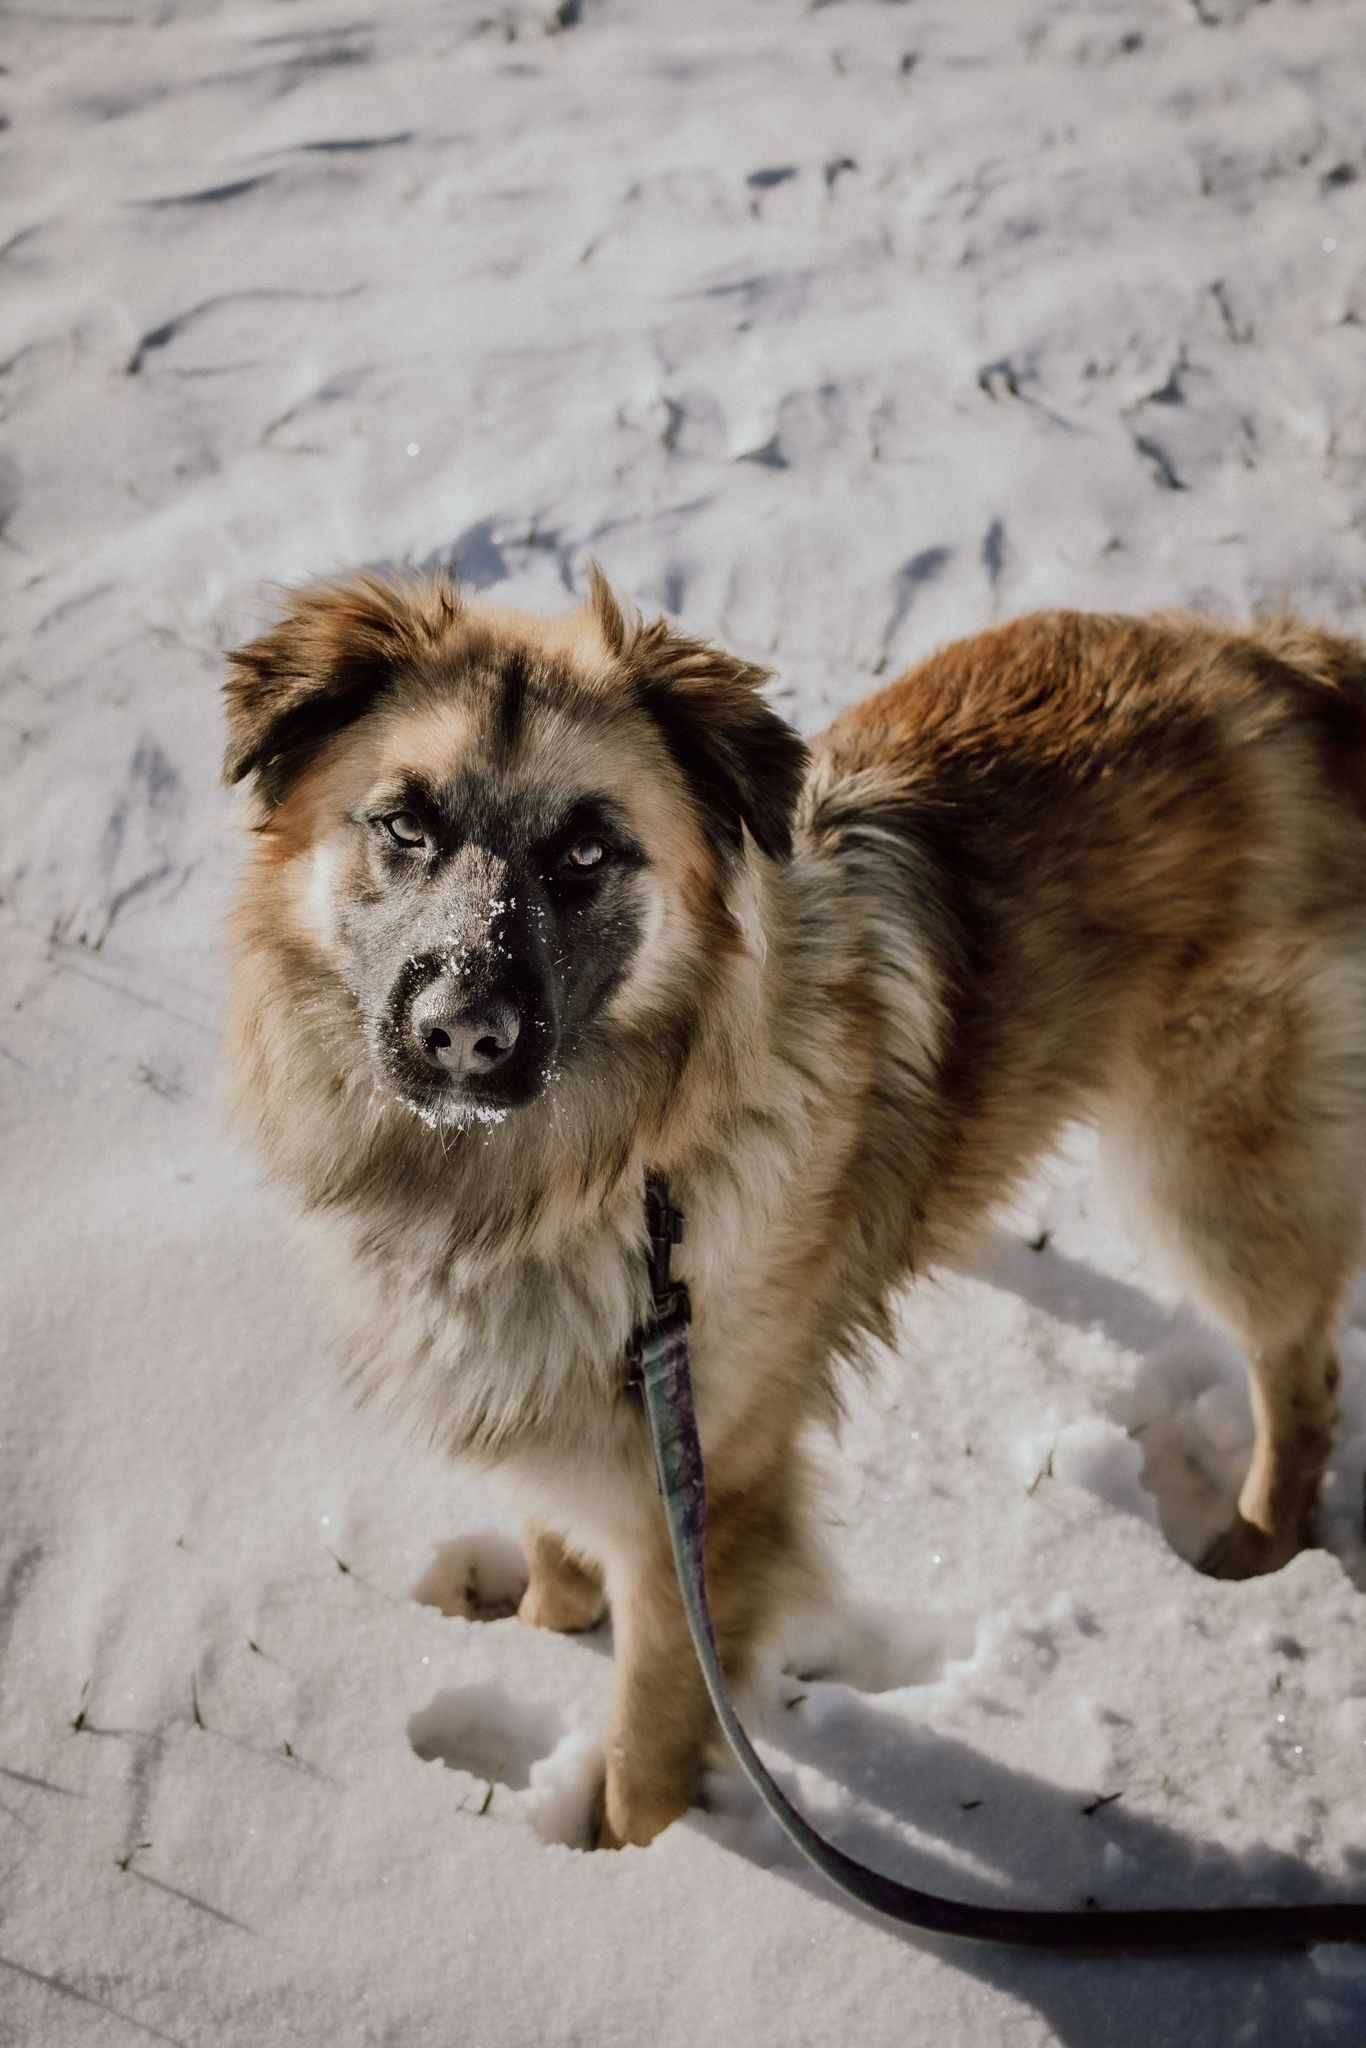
x=483, y=1353
x=514, y=1352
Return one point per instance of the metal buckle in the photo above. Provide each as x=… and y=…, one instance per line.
x=670, y=1306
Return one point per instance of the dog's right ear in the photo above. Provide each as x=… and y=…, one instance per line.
x=334, y=652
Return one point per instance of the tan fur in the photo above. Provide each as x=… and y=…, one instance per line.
x=1079, y=866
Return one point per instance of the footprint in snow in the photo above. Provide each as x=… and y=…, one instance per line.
x=476, y=1578
x=525, y=1757
x=522, y=1752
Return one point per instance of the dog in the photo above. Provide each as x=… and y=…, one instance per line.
x=536, y=907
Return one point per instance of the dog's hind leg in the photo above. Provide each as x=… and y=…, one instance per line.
x=1270, y=1254
x=1251, y=1145
x=1294, y=1404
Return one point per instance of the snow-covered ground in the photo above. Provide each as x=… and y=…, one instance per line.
x=836, y=329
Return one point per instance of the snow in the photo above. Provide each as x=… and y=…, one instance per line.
x=835, y=329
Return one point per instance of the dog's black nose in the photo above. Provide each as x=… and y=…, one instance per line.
x=472, y=1041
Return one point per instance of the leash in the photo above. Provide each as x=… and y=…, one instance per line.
x=659, y=1364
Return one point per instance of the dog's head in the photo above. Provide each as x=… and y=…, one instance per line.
x=515, y=843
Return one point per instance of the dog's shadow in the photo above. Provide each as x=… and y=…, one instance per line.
x=996, y=1826
x=1076, y=1293
x=978, y=1829
x=985, y=1830
x=981, y=1830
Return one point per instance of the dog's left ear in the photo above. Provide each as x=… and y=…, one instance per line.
x=743, y=764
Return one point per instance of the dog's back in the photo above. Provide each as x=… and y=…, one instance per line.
x=1143, y=845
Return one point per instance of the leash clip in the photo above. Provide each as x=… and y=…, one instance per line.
x=665, y=1228
x=670, y=1305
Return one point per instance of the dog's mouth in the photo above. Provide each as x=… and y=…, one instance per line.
x=451, y=1109
x=455, y=1105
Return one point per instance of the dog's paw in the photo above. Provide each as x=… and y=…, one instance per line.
x=563, y=1594
x=632, y=1816
x=569, y=1609
x=1243, y=1551
x=477, y=1578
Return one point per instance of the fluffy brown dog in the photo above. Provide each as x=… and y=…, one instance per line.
x=533, y=907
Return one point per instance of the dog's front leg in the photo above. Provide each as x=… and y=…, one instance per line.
x=661, y=1716
x=758, y=1565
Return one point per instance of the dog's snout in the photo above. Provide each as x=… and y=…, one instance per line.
x=470, y=1039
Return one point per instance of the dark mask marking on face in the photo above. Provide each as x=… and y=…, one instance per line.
x=492, y=906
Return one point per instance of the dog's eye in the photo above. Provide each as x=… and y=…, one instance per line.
x=583, y=855
x=405, y=829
